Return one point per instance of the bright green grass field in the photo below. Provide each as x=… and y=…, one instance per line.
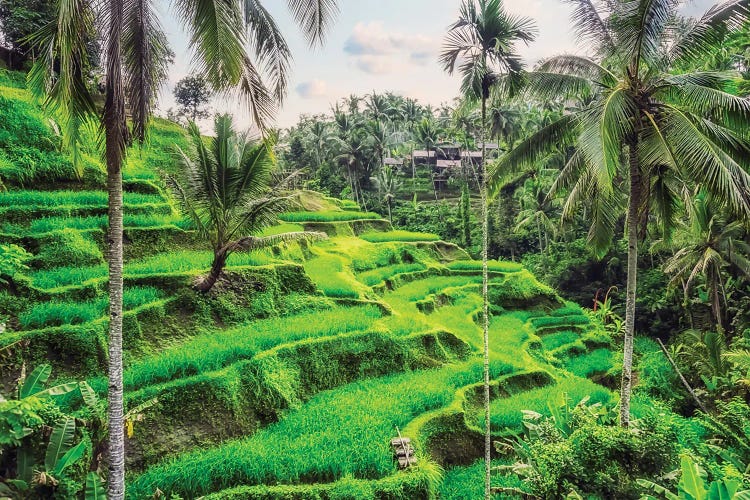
x=53, y=313
x=173, y=262
x=405, y=236
x=331, y=216
x=338, y=432
x=215, y=350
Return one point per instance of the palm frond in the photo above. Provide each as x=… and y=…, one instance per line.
x=549, y=139
x=582, y=67
x=641, y=28
x=269, y=45
x=706, y=162
x=591, y=25
x=718, y=105
x=314, y=17
x=548, y=86
x=145, y=61
x=57, y=77
x=710, y=31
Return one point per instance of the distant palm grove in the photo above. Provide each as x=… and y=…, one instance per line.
x=539, y=289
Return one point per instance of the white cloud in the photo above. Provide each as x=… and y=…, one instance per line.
x=312, y=89
x=374, y=50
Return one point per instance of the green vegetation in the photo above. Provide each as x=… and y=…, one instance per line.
x=405, y=236
x=328, y=216
x=287, y=372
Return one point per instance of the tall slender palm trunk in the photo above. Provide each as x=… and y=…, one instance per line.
x=208, y=282
x=486, y=308
x=115, y=132
x=632, y=281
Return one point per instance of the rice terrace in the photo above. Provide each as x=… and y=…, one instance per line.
x=328, y=250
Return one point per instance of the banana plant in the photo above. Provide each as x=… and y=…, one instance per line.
x=19, y=419
x=693, y=486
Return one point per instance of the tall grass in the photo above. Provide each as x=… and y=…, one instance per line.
x=404, y=236
x=50, y=224
x=80, y=199
x=375, y=276
x=507, y=412
x=330, y=216
x=559, y=339
x=337, y=433
x=493, y=265
x=219, y=349
x=171, y=262
x=56, y=313
x=331, y=276
x=591, y=363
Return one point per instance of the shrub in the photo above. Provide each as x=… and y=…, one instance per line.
x=69, y=247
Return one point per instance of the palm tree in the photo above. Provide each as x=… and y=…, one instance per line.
x=227, y=191
x=484, y=39
x=319, y=137
x=388, y=185
x=539, y=211
x=708, y=246
x=641, y=130
x=219, y=32
x=426, y=135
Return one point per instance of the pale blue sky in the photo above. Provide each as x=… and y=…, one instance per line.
x=382, y=45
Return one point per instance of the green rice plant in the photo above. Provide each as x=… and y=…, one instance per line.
x=375, y=276
x=403, y=236
x=56, y=313
x=216, y=350
x=493, y=265
x=543, y=322
x=330, y=275
x=186, y=261
x=281, y=228
x=507, y=413
x=69, y=247
x=329, y=216
x=594, y=362
x=464, y=483
x=338, y=433
x=21, y=198
x=12, y=79
x=51, y=224
x=558, y=339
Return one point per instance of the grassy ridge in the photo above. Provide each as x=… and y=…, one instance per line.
x=330, y=216
x=215, y=350
x=311, y=444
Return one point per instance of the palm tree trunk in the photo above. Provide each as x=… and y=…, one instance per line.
x=632, y=281
x=208, y=282
x=390, y=215
x=486, y=310
x=115, y=136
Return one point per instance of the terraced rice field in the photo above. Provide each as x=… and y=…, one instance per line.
x=301, y=388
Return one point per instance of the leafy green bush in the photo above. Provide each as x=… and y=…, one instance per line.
x=330, y=216
x=405, y=236
x=593, y=456
x=12, y=261
x=69, y=247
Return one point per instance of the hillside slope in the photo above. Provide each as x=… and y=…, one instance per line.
x=289, y=379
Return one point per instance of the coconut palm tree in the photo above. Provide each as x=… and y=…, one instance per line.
x=388, y=185
x=426, y=135
x=226, y=190
x=710, y=244
x=481, y=43
x=219, y=32
x=641, y=130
